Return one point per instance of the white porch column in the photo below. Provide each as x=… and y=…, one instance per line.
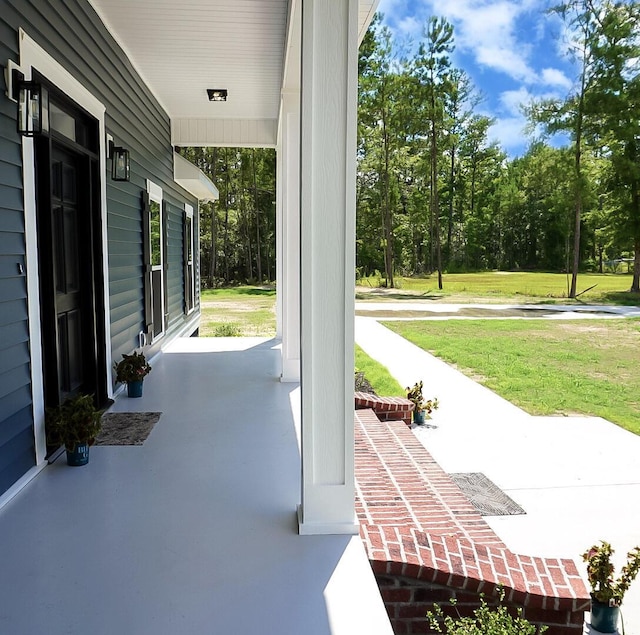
x=328, y=173
x=289, y=160
x=279, y=245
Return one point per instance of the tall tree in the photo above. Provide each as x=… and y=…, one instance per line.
x=433, y=64
x=568, y=115
x=616, y=102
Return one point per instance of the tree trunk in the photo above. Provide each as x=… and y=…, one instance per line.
x=435, y=211
x=388, y=229
x=635, y=283
x=452, y=176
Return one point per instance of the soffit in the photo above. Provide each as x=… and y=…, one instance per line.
x=182, y=48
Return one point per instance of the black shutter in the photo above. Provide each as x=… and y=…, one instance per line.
x=165, y=261
x=146, y=264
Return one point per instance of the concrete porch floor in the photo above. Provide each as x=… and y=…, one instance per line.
x=193, y=532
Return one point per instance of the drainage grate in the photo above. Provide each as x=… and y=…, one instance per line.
x=485, y=495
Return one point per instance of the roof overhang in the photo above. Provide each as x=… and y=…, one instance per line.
x=193, y=179
x=180, y=49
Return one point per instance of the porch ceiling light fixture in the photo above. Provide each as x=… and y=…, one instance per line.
x=217, y=94
x=33, y=106
x=120, y=163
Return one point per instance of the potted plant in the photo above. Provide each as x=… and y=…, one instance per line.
x=606, y=592
x=422, y=409
x=75, y=423
x=131, y=370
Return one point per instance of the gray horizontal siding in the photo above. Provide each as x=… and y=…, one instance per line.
x=71, y=32
x=17, y=451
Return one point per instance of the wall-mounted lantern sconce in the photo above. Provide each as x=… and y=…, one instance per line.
x=33, y=105
x=120, y=162
x=217, y=94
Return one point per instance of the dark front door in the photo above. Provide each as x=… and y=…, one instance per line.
x=70, y=259
x=71, y=227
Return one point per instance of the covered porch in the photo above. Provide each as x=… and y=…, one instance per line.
x=193, y=532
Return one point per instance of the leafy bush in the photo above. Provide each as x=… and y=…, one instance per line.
x=486, y=620
x=227, y=329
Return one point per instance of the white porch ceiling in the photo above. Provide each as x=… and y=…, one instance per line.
x=181, y=48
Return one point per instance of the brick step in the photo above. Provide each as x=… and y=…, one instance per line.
x=424, y=538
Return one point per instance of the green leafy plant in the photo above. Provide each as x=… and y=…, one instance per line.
x=227, y=329
x=75, y=421
x=486, y=620
x=415, y=394
x=132, y=367
x=600, y=573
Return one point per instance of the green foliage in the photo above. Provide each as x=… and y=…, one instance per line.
x=486, y=620
x=133, y=367
x=600, y=572
x=227, y=329
x=384, y=384
x=237, y=232
x=429, y=177
x=415, y=395
x=74, y=421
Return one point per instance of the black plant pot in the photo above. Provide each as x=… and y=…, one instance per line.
x=79, y=455
x=604, y=618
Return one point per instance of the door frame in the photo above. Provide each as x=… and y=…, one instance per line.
x=33, y=56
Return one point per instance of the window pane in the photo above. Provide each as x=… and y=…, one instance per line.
x=189, y=239
x=154, y=226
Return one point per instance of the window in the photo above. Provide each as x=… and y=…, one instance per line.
x=189, y=268
x=154, y=236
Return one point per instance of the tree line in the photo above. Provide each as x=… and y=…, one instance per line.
x=238, y=231
x=434, y=194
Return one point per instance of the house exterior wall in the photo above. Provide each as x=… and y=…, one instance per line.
x=70, y=32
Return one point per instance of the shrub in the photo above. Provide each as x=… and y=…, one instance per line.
x=227, y=329
x=486, y=620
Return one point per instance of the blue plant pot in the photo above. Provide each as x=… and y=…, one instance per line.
x=134, y=388
x=418, y=417
x=79, y=455
x=604, y=618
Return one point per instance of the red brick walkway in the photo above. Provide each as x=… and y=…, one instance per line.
x=423, y=536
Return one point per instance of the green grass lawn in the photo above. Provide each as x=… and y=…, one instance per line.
x=378, y=376
x=544, y=366
x=520, y=287
x=238, y=311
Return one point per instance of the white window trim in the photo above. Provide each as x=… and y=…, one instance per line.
x=155, y=194
x=32, y=55
x=188, y=209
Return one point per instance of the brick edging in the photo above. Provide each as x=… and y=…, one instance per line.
x=386, y=408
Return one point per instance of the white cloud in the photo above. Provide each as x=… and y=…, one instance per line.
x=513, y=100
x=509, y=133
x=489, y=30
x=555, y=77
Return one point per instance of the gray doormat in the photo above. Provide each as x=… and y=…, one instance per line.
x=485, y=495
x=126, y=428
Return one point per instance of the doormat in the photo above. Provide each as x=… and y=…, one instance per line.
x=485, y=495
x=126, y=428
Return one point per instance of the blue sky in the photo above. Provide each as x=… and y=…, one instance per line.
x=512, y=50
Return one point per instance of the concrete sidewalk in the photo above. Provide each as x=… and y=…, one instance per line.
x=578, y=478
